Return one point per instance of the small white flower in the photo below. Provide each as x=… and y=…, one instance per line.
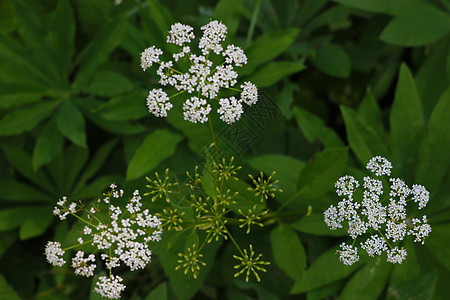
x=213, y=33
x=73, y=207
x=81, y=266
x=87, y=230
x=235, y=54
x=399, y=188
x=348, y=255
x=80, y=240
x=379, y=165
x=53, y=252
x=149, y=57
x=196, y=110
x=374, y=245
x=230, y=110
x=158, y=103
x=421, y=229
x=373, y=186
x=396, y=256
x=180, y=33
x=249, y=93
x=346, y=185
x=420, y=194
x=332, y=219
x=62, y=201
x=395, y=231
x=356, y=227
x=110, y=287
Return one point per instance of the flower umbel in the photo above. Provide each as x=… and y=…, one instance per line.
x=250, y=264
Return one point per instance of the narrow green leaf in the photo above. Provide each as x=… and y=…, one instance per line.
x=48, y=145
x=36, y=224
x=320, y=173
x=332, y=60
x=125, y=108
x=76, y=158
x=19, y=192
x=334, y=18
x=274, y=71
x=406, y=121
x=324, y=270
x=7, y=20
x=368, y=282
x=288, y=251
x=158, y=293
x=96, y=187
x=314, y=224
x=370, y=111
x=161, y=16
x=420, y=288
x=108, y=84
x=7, y=291
x=363, y=139
x=71, y=124
x=26, y=118
x=98, y=51
x=229, y=12
x=156, y=147
x=267, y=47
x=391, y=7
x=434, y=150
x=417, y=28
x=314, y=128
x=18, y=95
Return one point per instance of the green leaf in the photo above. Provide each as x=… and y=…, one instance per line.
x=7, y=291
x=363, y=139
x=124, y=108
x=36, y=224
x=391, y=7
x=17, y=95
x=434, y=150
x=406, y=121
x=439, y=242
x=288, y=251
x=76, y=158
x=287, y=171
x=161, y=16
x=108, y=84
x=420, y=288
x=267, y=47
x=156, y=147
x=314, y=224
x=98, y=50
x=229, y=12
x=96, y=187
x=7, y=239
x=274, y=71
x=62, y=34
x=368, y=282
x=332, y=60
x=26, y=118
x=158, y=293
x=314, y=127
x=334, y=18
x=11, y=218
x=370, y=111
x=410, y=268
x=70, y=123
x=320, y=173
x=309, y=9
x=7, y=20
x=324, y=270
x=417, y=28
x=48, y=145
x=19, y=192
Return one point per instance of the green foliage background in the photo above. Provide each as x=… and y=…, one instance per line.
x=352, y=78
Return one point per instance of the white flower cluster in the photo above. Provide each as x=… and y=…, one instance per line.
x=376, y=214
x=124, y=237
x=202, y=80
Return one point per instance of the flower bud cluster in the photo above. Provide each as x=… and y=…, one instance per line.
x=200, y=79
x=382, y=214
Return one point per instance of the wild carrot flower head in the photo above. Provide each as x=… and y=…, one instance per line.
x=196, y=75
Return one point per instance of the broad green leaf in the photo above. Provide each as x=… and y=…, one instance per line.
x=363, y=139
x=267, y=47
x=434, y=149
x=370, y=111
x=332, y=60
x=124, y=108
x=391, y=7
x=7, y=291
x=417, y=28
x=420, y=288
x=406, y=121
x=439, y=242
x=108, y=84
x=274, y=71
x=62, y=35
x=98, y=50
x=48, y=145
x=26, y=118
x=368, y=282
x=158, y=293
x=7, y=20
x=22, y=163
x=314, y=128
x=133, y=41
x=19, y=192
x=314, y=224
x=288, y=251
x=320, y=173
x=324, y=270
x=36, y=224
x=156, y=147
x=71, y=123
x=17, y=95
x=287, y=171
x=11, y=218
